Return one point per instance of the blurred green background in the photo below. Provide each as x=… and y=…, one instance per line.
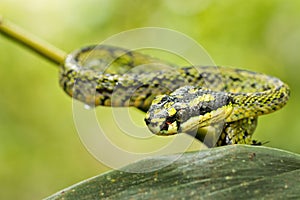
x=40, y=151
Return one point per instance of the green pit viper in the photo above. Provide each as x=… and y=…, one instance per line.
x=196, y=100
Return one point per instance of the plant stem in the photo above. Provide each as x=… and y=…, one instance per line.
x=41, y=47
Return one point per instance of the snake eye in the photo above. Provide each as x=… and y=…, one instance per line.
x=165, y=98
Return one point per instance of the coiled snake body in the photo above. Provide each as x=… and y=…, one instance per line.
x=201, y=100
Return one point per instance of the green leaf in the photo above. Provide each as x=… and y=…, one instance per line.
x=229, y=172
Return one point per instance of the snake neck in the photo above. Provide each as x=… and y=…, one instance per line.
x=259, y=103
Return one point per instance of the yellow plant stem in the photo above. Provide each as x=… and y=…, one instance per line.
x=28, y=40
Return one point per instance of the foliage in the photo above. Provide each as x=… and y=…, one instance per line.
x=230, y=172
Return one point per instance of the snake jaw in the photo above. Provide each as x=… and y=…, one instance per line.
x=206, y=120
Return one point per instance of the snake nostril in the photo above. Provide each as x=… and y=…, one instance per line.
x=147, y=121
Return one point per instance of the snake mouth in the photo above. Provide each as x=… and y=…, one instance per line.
x=168, y=126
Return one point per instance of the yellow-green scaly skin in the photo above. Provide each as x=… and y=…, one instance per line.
x=220, y=103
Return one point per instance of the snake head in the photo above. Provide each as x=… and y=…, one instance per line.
x=161, y=117
x=187, y=109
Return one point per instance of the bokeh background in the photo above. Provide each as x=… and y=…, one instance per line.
x=40, y=150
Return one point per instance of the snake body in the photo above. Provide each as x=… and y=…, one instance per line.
x=221, y=102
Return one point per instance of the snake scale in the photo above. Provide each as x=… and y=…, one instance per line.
x=198, y=100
